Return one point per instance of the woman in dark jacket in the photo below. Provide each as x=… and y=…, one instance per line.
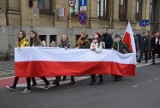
x=64, y=44
x=34, y=41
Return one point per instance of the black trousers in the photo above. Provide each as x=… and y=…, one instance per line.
x=93, y=77
x=15, y=81
x=153, y=57
x=58, y=78
x=141, y=55
x=29, y=82
x=17, y=78
x=149, y=55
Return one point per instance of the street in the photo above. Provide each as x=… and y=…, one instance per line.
x=142, y=91
x=43, y=40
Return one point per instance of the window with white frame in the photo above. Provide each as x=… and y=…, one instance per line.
x=75, y=9
x=102, y=8
x=45, y=5
x=123, y=9
x=138, y=10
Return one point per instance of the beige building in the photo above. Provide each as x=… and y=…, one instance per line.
x=51, y=18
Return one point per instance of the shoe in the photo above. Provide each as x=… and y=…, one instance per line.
x=138, y=61
x=93, y=82
x=72, y=82
x=56, y=82
x=64, y=78
x=146, y=61
x=100, y=82
x=34, y=84
x=153, y=64
x=118, y=78
x=26, y=91
x=46, y=87
x=11, y=88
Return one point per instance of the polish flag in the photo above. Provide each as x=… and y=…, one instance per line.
x=129, y=38
x=49, y=62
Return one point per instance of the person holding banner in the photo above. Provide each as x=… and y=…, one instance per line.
x=34, y=41
x=83, y=41
x=64, y=44
x=22, y=42
x=96, y=46
x=121, y=47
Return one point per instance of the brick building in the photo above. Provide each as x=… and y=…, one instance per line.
x=51, y=18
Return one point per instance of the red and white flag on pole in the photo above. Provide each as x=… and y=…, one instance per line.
x=129, y=38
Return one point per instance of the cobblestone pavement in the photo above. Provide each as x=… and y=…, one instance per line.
x=6, y=68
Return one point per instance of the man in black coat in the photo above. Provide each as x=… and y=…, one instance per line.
x=143, y=46
x=155, y=46
x=107, y=39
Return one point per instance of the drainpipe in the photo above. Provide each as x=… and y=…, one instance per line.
x=7, y=6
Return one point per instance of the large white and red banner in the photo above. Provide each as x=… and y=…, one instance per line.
x=40, y=61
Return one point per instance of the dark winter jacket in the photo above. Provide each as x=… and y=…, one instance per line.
x=155, y=47
x=121, y=47
x=65, y=44
x=108, y=40
x=144, y=44
x=84, y=43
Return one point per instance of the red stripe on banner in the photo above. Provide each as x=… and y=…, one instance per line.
x=47, y=69
x=123, y=69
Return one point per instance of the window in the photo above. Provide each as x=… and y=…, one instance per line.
x=75, y=10
x=44, y=5
x=138, y=10
x=53, y=38
x=152, y=10
x=42, y=37
x=123, y=9
x=102, y=8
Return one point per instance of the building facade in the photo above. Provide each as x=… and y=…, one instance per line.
x=51, y=18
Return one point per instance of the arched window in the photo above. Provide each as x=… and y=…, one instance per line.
x=123, y=9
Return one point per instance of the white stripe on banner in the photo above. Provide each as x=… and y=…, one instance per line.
x=71, y=55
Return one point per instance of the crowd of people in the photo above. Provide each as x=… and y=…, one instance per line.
x=148, y=45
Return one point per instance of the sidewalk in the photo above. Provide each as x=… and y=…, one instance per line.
x=6, y=68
